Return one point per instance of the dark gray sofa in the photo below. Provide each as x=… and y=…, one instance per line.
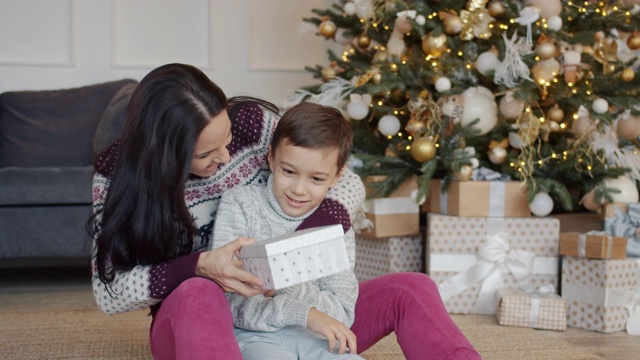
x=47, y=143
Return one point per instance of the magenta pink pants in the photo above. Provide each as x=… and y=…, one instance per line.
x=195, y=322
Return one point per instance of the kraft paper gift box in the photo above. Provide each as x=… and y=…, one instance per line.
x=480, y=199
x=540, y=309
x=297, y=257
x=593, y=245
x=581, y=222
x=598, y=292
x=398, y=216
x=470, y=258
x=379, y=256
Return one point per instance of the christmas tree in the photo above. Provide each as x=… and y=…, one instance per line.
x=544, y=91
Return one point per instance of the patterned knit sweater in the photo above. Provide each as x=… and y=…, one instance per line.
x=254, y=211
x=252, y=128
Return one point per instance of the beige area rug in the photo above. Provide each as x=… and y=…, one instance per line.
x=43, y=327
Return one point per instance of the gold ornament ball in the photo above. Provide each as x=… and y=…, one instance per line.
x=496, y=8
x=555, y=114
x=627, y=74
x=633, y=42
x=423, y=149
x=377, y=78
x=464, y=174
x=452, y=24
x=363, y=41
x=498, y=155
x=328, y=28
x=434, y=45
x=328, y=73
x=546, y=50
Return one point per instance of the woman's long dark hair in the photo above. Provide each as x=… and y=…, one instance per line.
x=145, y=217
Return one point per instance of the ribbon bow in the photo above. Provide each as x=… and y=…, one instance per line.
x=633, y=322
x=486, y=174
x=626, y=224
x=495, y=258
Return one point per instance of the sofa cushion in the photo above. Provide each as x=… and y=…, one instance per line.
x=52, y=127
x=45, y=186
x=112, y=121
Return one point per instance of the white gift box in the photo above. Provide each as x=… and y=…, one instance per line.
x=379, y=256
x=600, y=294
x=297, y=257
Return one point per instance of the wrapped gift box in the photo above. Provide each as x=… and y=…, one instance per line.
x=395, y=215
x=598, y=292
x=596, y=245
x=538, y=310
x=379, y=256
x=471, y=257
x=399, y=216
x=480, y=199
x=581, y=222
x=297, y=257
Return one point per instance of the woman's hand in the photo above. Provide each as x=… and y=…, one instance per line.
x=218, y=265
x=333, y=330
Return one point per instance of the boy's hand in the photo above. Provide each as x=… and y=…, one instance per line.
x=333, y=330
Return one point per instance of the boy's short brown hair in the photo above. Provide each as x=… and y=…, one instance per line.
x=315, y=126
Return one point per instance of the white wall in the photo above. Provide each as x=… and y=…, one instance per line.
x=247, y=47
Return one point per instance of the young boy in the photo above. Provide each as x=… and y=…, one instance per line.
x=307, y=155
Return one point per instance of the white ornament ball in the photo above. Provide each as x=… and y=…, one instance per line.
x=487, y=61
x=341, y=38
x=479, y=104
x=511, y=107
x=357, y=110
x=421, y=20
x=628, y=190
x=443, y=84
x=516, y=141
x=554, y=23
x=414, y=197
x=600, y=106
x=349, y=8
x=541, y=205
x=389, y=125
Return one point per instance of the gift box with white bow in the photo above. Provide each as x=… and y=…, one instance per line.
x=472, y=257
x=297, y=257
x=601, y=293
x=379, y=256
x=480, y=199
x=542, y=308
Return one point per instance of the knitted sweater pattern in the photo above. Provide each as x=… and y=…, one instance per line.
x=254, y=211
x=252, y=128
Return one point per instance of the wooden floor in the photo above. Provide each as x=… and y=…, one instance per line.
x=40, y=281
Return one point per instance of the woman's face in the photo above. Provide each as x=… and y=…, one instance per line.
x=211, y=147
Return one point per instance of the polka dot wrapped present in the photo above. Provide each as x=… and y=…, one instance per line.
x=599, y=293
x=470, y=258
x=297, y=257
x=379, y=256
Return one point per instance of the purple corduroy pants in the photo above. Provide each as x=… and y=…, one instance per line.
x=195, y=322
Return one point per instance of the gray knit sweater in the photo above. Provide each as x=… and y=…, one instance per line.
x=254, y=211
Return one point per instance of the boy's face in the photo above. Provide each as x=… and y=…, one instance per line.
x=302, y=176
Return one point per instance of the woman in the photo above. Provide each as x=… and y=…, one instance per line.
x=156, y=194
